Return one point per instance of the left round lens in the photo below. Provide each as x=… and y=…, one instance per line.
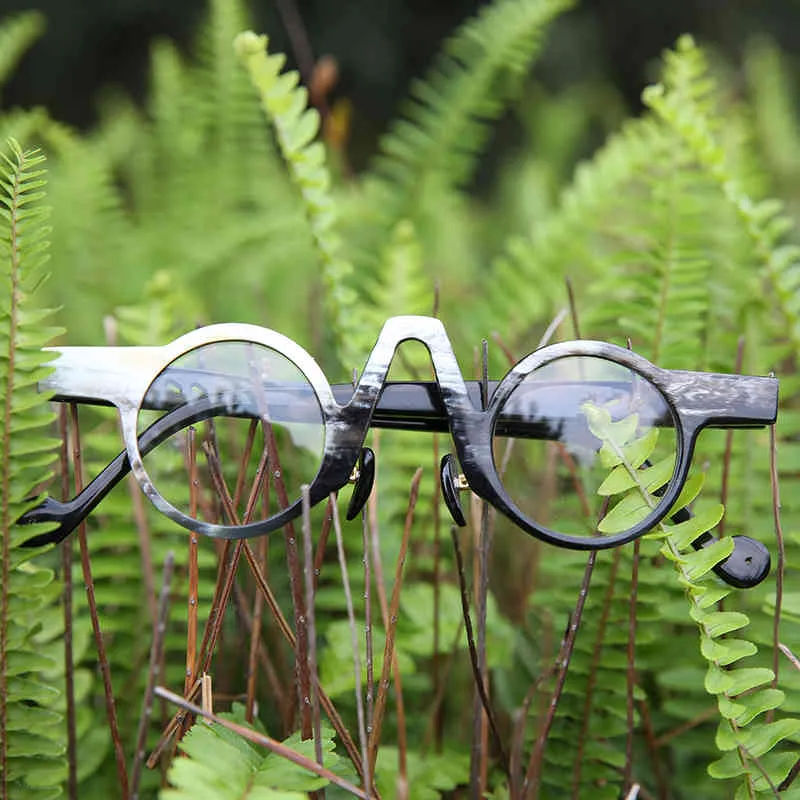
x=230, y=431
x=585, y=447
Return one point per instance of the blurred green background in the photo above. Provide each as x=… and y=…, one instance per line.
x=380, y=45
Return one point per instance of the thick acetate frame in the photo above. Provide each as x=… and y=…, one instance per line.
x=121, y=376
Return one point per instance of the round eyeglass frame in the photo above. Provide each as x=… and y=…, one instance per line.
x=122, y=376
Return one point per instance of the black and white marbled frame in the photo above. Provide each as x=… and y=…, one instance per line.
x=121, y=376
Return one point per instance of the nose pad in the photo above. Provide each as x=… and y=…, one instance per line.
x=451, y=485
x=364, y=480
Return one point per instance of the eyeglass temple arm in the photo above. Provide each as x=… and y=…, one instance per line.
x=69, y=514
x=745, y=567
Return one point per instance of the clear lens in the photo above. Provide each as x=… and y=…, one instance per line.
x=239, y=431
x=585, y=446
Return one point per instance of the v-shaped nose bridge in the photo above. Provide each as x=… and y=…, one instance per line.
x=431, y=333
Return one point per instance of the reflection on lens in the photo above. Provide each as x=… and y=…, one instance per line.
x=239, y=430
x=585, y=446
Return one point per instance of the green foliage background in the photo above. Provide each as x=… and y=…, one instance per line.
x=221, y=201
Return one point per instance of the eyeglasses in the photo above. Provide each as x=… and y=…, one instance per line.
x=526, y=444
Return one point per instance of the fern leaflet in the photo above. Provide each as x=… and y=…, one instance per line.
x=31, y=729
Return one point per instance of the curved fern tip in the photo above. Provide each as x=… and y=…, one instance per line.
x=248, y=44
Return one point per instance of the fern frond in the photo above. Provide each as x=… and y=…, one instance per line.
x=296, y=127
x=17, y=34
x=740, y=690
x=570, y=239
x=223, y=765
x=444, y=125
x=764, y=221
x=29, y=619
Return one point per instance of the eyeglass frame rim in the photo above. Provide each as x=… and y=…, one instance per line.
x=346, y=426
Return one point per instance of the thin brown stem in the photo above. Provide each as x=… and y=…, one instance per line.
x=69, y=664
x=289, y=635
x=229, y=561
x=402, y=741
x=102, y=657
x=255, y=636
x=791, y=777
x=369, y=698
x=597, y=650
x=779, y=576
x=473, y=652
x=518, y=742
x=793, y=659
x=324, y=535
x=298, y=36
x=437, y=580
x=194, y=571
x=726, y=459
x=308, y=578
x=278, y=690
x=652, y=748
x=630, y=674
x=698, y=719
x=533, y=774
x=436, y=704
x=351, y=617
x=296, y=587
x=388, y=651
x=241, y=476
x=153, y=674
x=573, y=309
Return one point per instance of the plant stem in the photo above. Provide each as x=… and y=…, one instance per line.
x=776, y=511
x=533, y=774
x=388, y=651
x=308, y=578
x=102, y=657
x=69, y=664
x=348, y=597
x=156, y=654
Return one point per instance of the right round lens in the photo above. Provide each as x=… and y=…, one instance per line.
x=585, y=447
x=230, y=431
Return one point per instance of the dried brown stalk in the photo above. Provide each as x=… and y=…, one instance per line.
x=726, y=459
x=533, y=774
x=256, y=650
x=102, y=656
x=348, y=597
x=630, y=675
x=308, y=578
x=779, y=573
x=388, y=650
x=153, y=674
x=590, y=687
x=474, y=659
x=69, y=664
x=194, y=572
x=286, y=630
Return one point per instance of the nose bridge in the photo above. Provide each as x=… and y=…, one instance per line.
x=431, y=333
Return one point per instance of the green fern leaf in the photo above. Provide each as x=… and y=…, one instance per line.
x=444, y=127
x=17, y=34
x=29, y=619
x=296, y=127
x=224, y=766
